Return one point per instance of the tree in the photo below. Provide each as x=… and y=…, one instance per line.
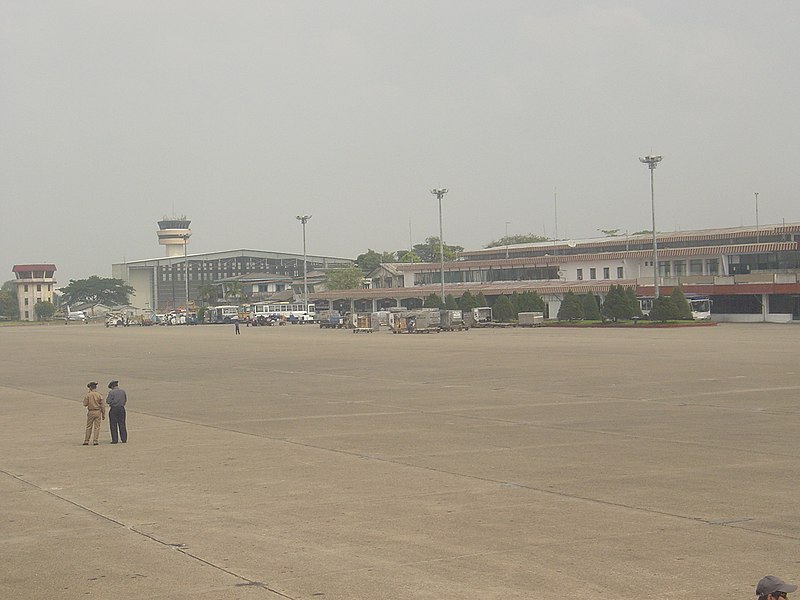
x=9, y=307
x=10, y=287
x=684, y=310
x=233, y=289
x=44, y=310
x=591, y=311
x=467, y=301
x=508, y=240
x=616, y=305
x=503, y=310
x=609, y=232
x=480, y=300
x=571, y=309
x=207, y=293
x=97, y=290
x=347, y=278
x=664, y=309
x=433, y=301
x=450, y=302
x=409, y=257
x=530, y=301
x=633, y=302
x=429, y=250
x=371, y=260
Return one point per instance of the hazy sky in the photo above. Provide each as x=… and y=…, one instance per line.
x=242, y=115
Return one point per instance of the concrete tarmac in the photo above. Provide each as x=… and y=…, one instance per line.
x=294, y=462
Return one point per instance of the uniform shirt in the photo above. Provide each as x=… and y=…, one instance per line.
x=116, y=398
x=94, y=401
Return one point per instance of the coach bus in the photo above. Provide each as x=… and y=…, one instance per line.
x=294, y=312
x=222, y=314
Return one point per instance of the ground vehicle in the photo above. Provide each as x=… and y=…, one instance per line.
x=699, y=305
x=222, y=314
x=477, y=317
x=331, y=319
x=294, y=312
x=452, y=320
x=259, y=314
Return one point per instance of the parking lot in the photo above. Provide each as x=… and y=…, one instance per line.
x=295, y=462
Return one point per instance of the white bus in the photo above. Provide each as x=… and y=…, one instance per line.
x=294, y=312
x=699, y=305
x=222, y=314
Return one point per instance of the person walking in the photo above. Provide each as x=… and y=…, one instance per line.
x=773, y=588
x=95, y=412
x=236, y=323
x=116, y=400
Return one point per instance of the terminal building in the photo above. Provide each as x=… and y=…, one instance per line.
x=749, y=273
x=162, y=284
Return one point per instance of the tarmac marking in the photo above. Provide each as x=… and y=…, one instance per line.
x=182, y=548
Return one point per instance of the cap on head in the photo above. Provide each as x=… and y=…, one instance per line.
x=113, y=384
x=91, y=385
x=771, y=584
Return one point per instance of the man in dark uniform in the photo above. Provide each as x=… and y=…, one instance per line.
x=773, y=588
x=116, y=413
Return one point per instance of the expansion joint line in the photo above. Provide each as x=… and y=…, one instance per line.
x=179, y=547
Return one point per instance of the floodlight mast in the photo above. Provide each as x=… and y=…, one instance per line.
x=304, y=219
x=439, y=193
x=652, y=160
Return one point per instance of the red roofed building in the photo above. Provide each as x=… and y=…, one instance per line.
x=35, y=283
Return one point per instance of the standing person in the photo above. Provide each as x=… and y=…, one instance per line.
x=116, y=413
x=93, y=402
x=236, y=325
x=773, y=588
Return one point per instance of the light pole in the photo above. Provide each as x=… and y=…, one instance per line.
x=439, y=193
x=185, y=237
x=652, y=161
x=304, y=219
x=758, y=235
x=507, y=224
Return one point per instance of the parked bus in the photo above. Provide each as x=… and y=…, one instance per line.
x=294, y=312
x=699, y=305
x=222, y=314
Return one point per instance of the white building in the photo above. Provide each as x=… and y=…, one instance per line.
x=35, y=283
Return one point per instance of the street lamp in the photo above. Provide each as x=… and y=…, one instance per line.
x=652, y=161
x=185, y=237
x=758, y=236
x=507, y=224
x=439, y=193
x=304, y=219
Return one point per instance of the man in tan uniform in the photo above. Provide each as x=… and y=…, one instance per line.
x=93, y=402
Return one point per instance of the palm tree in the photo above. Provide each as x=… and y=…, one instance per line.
x=233, y=289
x=207, y=293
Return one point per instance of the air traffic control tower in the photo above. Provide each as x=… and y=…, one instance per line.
x=174, y=234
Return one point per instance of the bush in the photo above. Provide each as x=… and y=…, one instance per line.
x=591, y=310
x=467, y=301
x=503, y=310
x=664, y=309
x=684, y=310
x=571, y=308
x=432, y=301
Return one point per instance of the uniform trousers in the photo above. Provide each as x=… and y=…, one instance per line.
x=93, y=425
x=116, y=419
